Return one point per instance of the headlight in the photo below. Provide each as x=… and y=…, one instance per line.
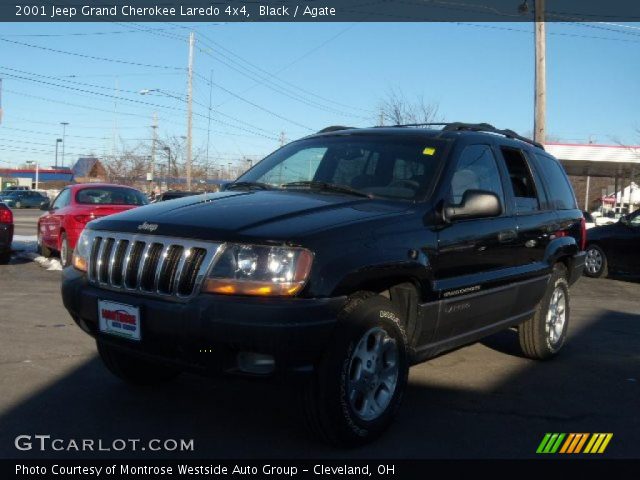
x=259, y=270
x=82, y=252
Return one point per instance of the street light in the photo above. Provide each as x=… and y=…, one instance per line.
x=58, y=140
x=64, y=134
x=37, y=179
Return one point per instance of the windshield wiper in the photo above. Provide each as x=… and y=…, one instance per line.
x=329, y=187
x=248, y=186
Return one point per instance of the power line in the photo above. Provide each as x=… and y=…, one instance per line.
x=261, y=78
x=105, y=95
x=90, y=57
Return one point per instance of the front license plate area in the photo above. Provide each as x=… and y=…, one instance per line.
x=119, y=319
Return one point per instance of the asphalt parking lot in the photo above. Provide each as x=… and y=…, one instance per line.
x=483, y=400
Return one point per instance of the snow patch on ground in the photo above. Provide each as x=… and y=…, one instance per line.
x=26, y=246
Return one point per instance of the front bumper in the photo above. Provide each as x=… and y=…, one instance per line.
x=208, y=332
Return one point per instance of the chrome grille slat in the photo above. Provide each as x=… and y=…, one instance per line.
x=149, y=264
x=112, y=259
x=98, y=260
x=161, y=262
x=144, y=260
x=105, y=260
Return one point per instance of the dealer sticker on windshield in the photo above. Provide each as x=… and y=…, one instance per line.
x=119, y=319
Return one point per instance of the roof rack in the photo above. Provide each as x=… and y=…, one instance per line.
x=333, y=128
x=475, y=127
x=486, y=127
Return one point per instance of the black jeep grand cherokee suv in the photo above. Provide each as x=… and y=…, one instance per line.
x=344, y=257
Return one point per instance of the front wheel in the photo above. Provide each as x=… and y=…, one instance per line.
x=360, y=381
x=544, y=334
x=18, y=205
x=595, y=265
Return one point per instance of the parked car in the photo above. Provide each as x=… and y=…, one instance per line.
x=614, y=247
x=75, y=206
x=345, y=257
x=6, y=232
x=25, y=199
x=172, y=195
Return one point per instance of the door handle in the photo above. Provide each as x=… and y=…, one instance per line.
x=507, y=236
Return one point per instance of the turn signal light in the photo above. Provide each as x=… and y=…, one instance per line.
x=79, y=263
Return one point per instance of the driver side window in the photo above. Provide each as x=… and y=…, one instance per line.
x=476, y=170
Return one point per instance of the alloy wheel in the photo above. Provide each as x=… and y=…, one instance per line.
x=373, y=374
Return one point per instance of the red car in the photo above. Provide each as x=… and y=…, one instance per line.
x=77, y=205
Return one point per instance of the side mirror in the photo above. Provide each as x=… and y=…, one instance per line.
x=624, y=220
x=474, y=204
x=45, y=206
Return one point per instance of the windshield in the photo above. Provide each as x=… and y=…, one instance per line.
x=400, y=168
x=111, y=196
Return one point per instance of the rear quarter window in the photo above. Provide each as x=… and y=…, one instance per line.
x=561, y=195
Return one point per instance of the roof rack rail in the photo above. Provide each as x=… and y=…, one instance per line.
x=475, y=127
x=486, y=127
x=333, y=128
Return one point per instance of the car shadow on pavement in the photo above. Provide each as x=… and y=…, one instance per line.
x=593, y=386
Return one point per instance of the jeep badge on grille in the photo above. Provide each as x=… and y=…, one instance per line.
x=149, y=227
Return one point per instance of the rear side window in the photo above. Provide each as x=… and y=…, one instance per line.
x=561, y=196
x=524, y=188
x=476, y=170
x=63, y=199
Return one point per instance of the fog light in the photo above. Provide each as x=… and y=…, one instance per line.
x=256, y=363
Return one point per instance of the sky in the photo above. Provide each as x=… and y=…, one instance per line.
x=286, y=79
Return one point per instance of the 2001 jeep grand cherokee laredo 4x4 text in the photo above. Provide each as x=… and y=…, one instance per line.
x=349, y=256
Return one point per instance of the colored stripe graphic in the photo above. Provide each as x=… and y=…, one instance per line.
x=573, y=443
x=598, y=442
x=550, y=443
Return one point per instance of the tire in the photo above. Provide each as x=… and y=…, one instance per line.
x=543, y=335
x=134, y=370
x=596, y=264
x=17, y=205
x=66, y=253
x=5, y=257
x=42, y=248
x=336, y=398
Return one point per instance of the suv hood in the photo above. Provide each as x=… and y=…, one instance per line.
x=265, y=214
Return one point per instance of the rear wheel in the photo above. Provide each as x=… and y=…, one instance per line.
x=42, y=248
x=132, y=369
x=65, y=251
x=544, y=334
x=595, y=264
x=360, y=381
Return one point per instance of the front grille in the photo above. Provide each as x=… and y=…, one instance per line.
x=150, y=264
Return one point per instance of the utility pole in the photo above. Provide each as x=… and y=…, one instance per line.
x=540, y=104
x=190, y=108
x=154, y=139
x=64, y=137
x=283, y=139
x=381, y=118
x=209, y=119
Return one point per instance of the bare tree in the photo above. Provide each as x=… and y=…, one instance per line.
x=397, y=109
